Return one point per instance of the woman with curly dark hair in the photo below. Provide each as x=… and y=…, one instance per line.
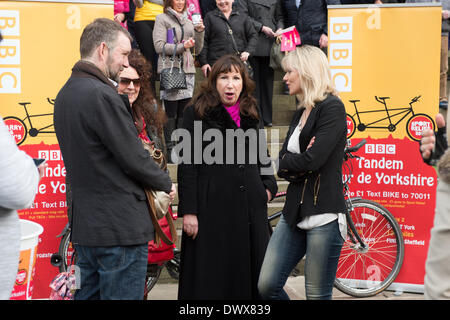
x=223, y=196
x=149, y=117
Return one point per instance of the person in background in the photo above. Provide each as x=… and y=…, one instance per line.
x=262, y=15
x=313, y=221
x=107, y=169
x=121, y=8
x=19, y=179
x=224, y=202
x=144, y=22
x=148, y=116
x=434, y=150
x=218, y=41
x=188, y=39
x=309, y=18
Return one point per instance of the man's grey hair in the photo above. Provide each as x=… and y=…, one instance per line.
x=98, y=31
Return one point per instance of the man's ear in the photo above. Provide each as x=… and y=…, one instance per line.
x=102, y=52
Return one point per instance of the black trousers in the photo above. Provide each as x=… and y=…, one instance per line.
x=263, y=77
x=144, y=38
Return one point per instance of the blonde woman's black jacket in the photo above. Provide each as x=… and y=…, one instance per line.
x=315, y=174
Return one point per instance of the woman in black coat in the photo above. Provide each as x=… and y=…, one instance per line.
x=224, y=187
x=261, y=13
x=313, y=221
x=218, y=41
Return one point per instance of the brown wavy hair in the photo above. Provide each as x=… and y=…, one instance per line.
x=146, y=105
x=208, y=97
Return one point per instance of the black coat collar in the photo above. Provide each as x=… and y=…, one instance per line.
x=218, y=117
x=86, y=69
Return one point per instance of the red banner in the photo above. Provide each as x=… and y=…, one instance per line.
x=391, y=172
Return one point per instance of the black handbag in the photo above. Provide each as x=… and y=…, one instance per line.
x=246, y=64
x=172, y=77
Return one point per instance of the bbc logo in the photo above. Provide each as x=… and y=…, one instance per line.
x=50, y=155
x=10, y=72
x=379, y=148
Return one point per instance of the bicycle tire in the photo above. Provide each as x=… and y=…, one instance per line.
x=64, y=252
x=352, y=132
x=153, y=273
x=365, y=272
x=411, y=119
x=173, y=265
x=23, y=124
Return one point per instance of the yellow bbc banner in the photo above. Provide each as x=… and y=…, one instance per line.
x=385, y=62
x=40, y=46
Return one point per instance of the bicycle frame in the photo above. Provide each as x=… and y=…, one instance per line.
x=34, y=131
x=391, y=127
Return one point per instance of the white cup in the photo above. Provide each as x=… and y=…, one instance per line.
x=196, y=18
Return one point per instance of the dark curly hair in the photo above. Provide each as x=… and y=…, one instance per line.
x=208, y=97
x=146, y=105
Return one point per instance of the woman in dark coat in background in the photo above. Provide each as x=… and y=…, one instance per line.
x=223, y=202
x=218, y=41
x=262, y=16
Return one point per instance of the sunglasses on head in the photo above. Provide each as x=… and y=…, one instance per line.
x=126, y=81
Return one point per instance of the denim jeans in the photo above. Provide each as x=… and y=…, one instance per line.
x=322, y=246
x=111, y=273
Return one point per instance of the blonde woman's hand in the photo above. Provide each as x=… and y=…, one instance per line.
x=311, y=142
x=190, y=225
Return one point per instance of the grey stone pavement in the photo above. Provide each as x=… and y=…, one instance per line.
x=295, y=288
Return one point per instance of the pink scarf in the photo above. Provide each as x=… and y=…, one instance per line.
x=234, y=113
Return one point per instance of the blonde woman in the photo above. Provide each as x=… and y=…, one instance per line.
x=313, y=221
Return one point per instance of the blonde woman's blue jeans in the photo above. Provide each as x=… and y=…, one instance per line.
x=322, y=246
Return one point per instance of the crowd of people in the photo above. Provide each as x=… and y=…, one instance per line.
x=108, y=109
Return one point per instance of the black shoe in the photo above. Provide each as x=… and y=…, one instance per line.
x=268, y=124
x=443, y=105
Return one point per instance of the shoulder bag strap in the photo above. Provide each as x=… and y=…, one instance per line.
x=230, y=31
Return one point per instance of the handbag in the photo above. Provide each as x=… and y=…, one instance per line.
x=246, y=64
x=158, y=202
x=276, y=55
x=172, y=77
x=158, y=254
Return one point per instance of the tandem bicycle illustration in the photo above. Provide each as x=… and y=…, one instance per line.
x=21, y=127
x=388, y=118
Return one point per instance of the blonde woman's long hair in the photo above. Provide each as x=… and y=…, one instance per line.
x=314, y=71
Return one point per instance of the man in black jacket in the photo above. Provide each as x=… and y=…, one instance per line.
x=107, y=169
